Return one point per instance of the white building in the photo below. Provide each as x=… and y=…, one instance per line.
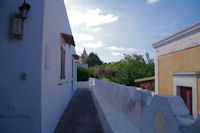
x=38, y=71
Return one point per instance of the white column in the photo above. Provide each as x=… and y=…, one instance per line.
x=156, y=73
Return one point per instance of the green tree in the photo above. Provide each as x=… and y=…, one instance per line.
x=109, y=71
x=82, y=74
x=134, y=67
x=102, y=71
x=125, y=71
x=99, y=71
x=93, y=60
x=150, y=66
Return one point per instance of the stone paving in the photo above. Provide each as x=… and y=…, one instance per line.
x=80, y=115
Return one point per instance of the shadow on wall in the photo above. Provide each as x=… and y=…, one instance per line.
x=151, y=114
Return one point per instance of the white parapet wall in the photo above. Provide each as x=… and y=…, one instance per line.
x=146, y=113
x=82, y=84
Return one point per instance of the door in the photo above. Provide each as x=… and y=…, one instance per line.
x=186, y=94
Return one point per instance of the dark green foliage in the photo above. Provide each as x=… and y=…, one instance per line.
x=134, y=67
x=82, y=74
x=125, y=71
x=93, y=60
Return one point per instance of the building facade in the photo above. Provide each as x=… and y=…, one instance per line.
x=37, y=66
x=177, y=67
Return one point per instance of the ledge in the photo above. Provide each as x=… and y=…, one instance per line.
x=195, y=73
x=112, y=120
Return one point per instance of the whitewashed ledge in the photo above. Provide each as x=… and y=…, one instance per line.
x=112, y=120
x=125, y=109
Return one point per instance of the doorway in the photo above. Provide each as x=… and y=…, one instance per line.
x=188, y=81
x=186, y=94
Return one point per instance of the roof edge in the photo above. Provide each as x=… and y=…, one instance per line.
x=144, y=79
x=176, y=35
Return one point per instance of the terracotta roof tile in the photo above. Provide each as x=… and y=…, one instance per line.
x=68, y=39
x=75, y=56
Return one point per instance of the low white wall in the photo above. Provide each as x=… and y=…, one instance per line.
x=82, y=84
x=150, y=114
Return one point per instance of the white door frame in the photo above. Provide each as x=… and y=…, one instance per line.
x=188, y=79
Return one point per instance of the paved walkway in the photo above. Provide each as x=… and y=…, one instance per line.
x=80, y=115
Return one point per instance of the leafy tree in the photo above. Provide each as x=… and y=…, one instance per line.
x=150, y=66
x=102, y=71
x=109, y=72
x=93, y=60
x=91, y=71
x=99, y=71
x=134, y=67
x=82, y=74
x=125, y=71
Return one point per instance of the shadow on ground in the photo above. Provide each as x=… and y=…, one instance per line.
x=80, y=115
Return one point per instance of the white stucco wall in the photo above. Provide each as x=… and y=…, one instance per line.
x=55, y=97
x=150, y=114
x=20, y=101
x=36, y=104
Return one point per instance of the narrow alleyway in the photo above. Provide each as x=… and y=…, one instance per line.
x=80, y=115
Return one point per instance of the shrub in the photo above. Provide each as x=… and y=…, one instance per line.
x=82, y=74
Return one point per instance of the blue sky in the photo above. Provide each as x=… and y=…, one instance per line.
x=112, y=28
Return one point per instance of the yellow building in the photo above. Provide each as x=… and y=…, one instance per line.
x=177, y=67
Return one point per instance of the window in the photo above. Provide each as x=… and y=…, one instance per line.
x=69, y=40
x=63, y=53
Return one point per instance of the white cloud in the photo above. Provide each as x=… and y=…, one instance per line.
x=115, y=53
x=66, y=2
x=96, y=29
x=120, y=51
x=115, y=48
x=79, y=50
x=131, y=49
x=93, y=45
x=165, y=34
x=173, y=22
x=83, y=37
x=152, y=1
x=92, y=17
